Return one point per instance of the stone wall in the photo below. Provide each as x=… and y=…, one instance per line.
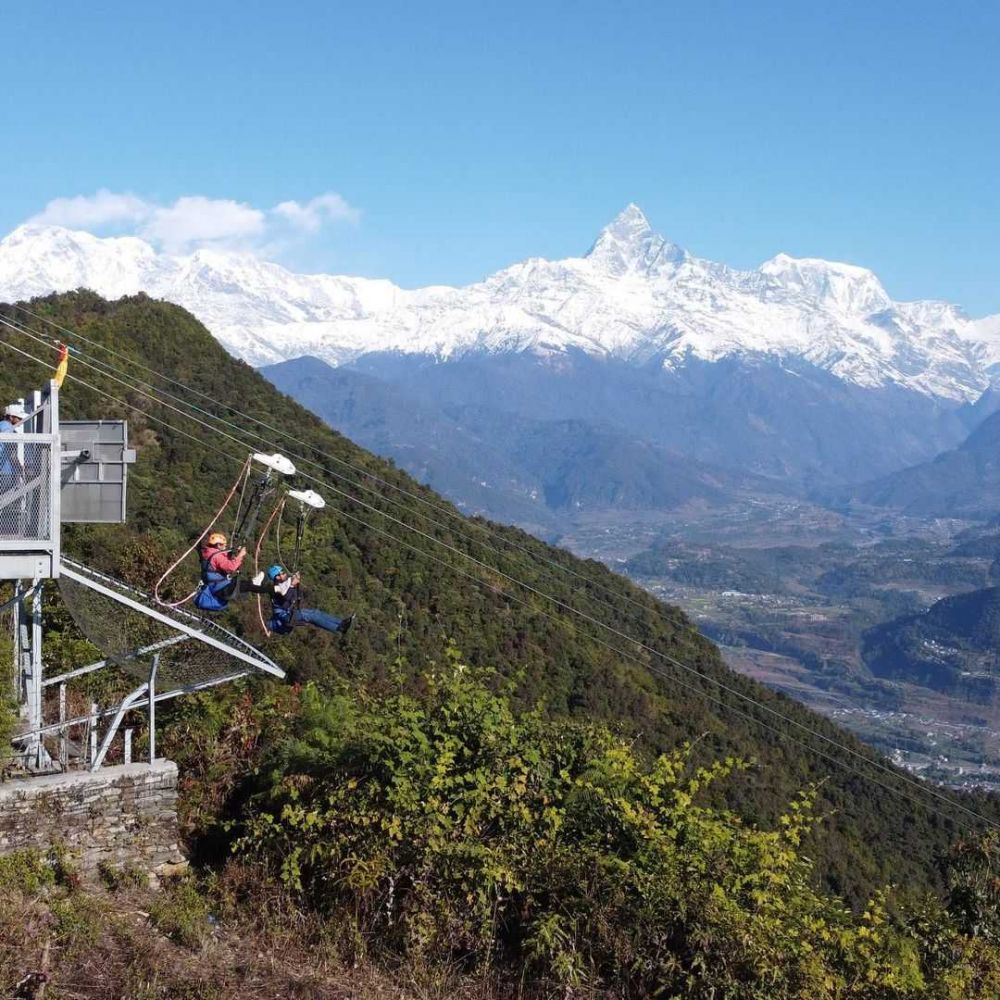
x=124, y=814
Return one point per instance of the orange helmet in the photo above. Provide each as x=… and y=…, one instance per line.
x=217, y=538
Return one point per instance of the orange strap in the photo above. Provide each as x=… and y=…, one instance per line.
x=159, y=583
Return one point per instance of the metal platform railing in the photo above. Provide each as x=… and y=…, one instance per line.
x=30, y=462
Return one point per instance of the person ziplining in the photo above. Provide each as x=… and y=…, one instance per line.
x=220, y=580
x=221, y=583
x=286, y=593
x=222, y=560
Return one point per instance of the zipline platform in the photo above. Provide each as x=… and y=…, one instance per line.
x=153, y=654
x=52, y=473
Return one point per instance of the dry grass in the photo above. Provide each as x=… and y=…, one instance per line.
x=143, y=944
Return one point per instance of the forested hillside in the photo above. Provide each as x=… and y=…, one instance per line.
x=950, y=647
x=425, y=581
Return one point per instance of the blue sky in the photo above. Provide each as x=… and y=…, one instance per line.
x=461, y=137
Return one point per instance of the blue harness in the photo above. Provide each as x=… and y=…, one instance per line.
x=213, y=585
x=283, y=612
x=281, y=620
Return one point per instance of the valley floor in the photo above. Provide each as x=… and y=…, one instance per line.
x=935, y=736
x=787, y=589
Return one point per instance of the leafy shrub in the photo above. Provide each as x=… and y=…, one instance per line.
x=29, y=870
x=453, y=828
x=78, y=922
x=973, y=868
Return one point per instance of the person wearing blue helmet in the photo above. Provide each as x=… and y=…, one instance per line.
x=286, y=596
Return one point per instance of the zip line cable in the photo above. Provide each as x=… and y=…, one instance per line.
x=572, y=610
x=540, y=557
x=659, y=671
x=442, y=508
x=568, y=608
x=556, y=601
x=42, y=338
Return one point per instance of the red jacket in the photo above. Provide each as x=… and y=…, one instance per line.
x=219, y=560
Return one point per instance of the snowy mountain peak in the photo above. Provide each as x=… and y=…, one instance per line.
x=36, y=259
x=40, y=235
x=34, y=246
x=30, y=230
x=630, y=220
x=847, y=287
x=635, y=296
x=628, y=245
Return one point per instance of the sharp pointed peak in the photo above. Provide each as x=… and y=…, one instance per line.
x=631, y=213
x=629, y=244
x=629, y=224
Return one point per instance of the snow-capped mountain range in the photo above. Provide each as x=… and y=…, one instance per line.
x=634, y=296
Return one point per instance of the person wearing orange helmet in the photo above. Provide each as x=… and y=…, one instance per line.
x=219, y=569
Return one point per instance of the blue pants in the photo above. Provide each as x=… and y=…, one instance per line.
x=313, y=616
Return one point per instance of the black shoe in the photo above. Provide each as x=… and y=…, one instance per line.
x=345, y=625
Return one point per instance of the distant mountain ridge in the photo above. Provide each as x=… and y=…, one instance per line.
x=530, y=470
x=635, y=297
x=652, y=376
x=959, y=482
x=796, y=425
x=951, y=647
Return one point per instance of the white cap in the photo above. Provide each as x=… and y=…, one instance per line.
x=15, y=410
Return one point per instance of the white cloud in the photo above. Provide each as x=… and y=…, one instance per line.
x=314, y=213
x=194, y=221
x=93, y=211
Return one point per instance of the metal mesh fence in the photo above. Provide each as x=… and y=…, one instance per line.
x=128, y=636
x=25, y=489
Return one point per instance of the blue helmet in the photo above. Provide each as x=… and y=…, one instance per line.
x=274, y=572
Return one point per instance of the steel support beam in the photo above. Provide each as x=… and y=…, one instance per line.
x=151, y=688
x=127, y=702
x=98, y=714
x=262, y=664
x=91, y=667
